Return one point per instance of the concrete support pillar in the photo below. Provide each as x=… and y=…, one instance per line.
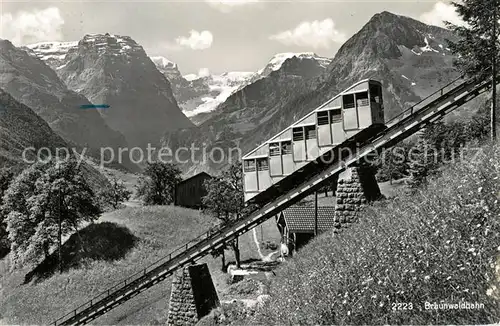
x=356, y=186
x=193, y=296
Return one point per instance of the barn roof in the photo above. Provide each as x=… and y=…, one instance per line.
x=300, y=219
x=204, y=174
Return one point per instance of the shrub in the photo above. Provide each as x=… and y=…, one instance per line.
x=437, y=246
x=232, y=313
x=269, y=245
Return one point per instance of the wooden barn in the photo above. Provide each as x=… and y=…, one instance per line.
x=297, y=223
x=189, y=192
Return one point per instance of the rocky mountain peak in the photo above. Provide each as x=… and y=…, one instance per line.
x=115, y=70
x=117, y=45
x=277, y=61
x=386, y=33
x=52, y=53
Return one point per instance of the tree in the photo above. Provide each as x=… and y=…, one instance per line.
x=393, y=164
x=44, y=203
x=422, y=163
x=448, y=138
x=225, y=201
x=478, y=43
x=114, y=194
x=6, y=177
x=157, y=186
x=479, y=128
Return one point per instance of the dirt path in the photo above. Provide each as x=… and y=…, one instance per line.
x=256, y=240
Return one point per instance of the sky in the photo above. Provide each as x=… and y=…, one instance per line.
x=214, y=36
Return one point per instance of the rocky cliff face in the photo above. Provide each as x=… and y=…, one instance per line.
x=115, y=70
x=33, y=83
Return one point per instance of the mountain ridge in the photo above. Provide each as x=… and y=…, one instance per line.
x=115, y=70
x=33, y=83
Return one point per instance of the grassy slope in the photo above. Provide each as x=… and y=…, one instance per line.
x=438, y=245
x=160, y=230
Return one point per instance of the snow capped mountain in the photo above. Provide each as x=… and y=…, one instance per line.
x=218, y=89
x=53, y=53
x=257, y=101
x=200, y=93
x=115, y=70
x=167, y=67
x=34, y=84
x=278, y=59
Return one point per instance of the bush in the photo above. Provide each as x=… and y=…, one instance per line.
x=437, y=246
x=269, y=245
x=246, y=288
x=232, y=313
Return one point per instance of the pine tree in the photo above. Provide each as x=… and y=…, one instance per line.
x=478, y=43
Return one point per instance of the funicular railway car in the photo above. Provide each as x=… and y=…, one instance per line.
x=358, y=108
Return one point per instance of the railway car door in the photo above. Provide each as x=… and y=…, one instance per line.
x=338, y=135
x=287, y=157
x=312, y=149
x=263, y=173
x=376, y=103
x=324, y=130
x=364, y=110
x=275, y=160
x=350, y=112
x=250, y=172
x=299, y=144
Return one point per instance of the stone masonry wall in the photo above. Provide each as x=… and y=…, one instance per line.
x=193, y=296
x=355, y=188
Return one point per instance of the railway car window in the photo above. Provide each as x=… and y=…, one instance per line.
x=286, y=147
x=262, y=164
x=298, y=134
x=249, y=165
x=310, y=132
x=335, y=115
x=362, y=99
x=348, y=101
x=322, y=118
x=274, y=149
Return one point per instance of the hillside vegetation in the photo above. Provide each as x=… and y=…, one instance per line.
x=437, y=245
x=107, y=258
x=155, y=230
